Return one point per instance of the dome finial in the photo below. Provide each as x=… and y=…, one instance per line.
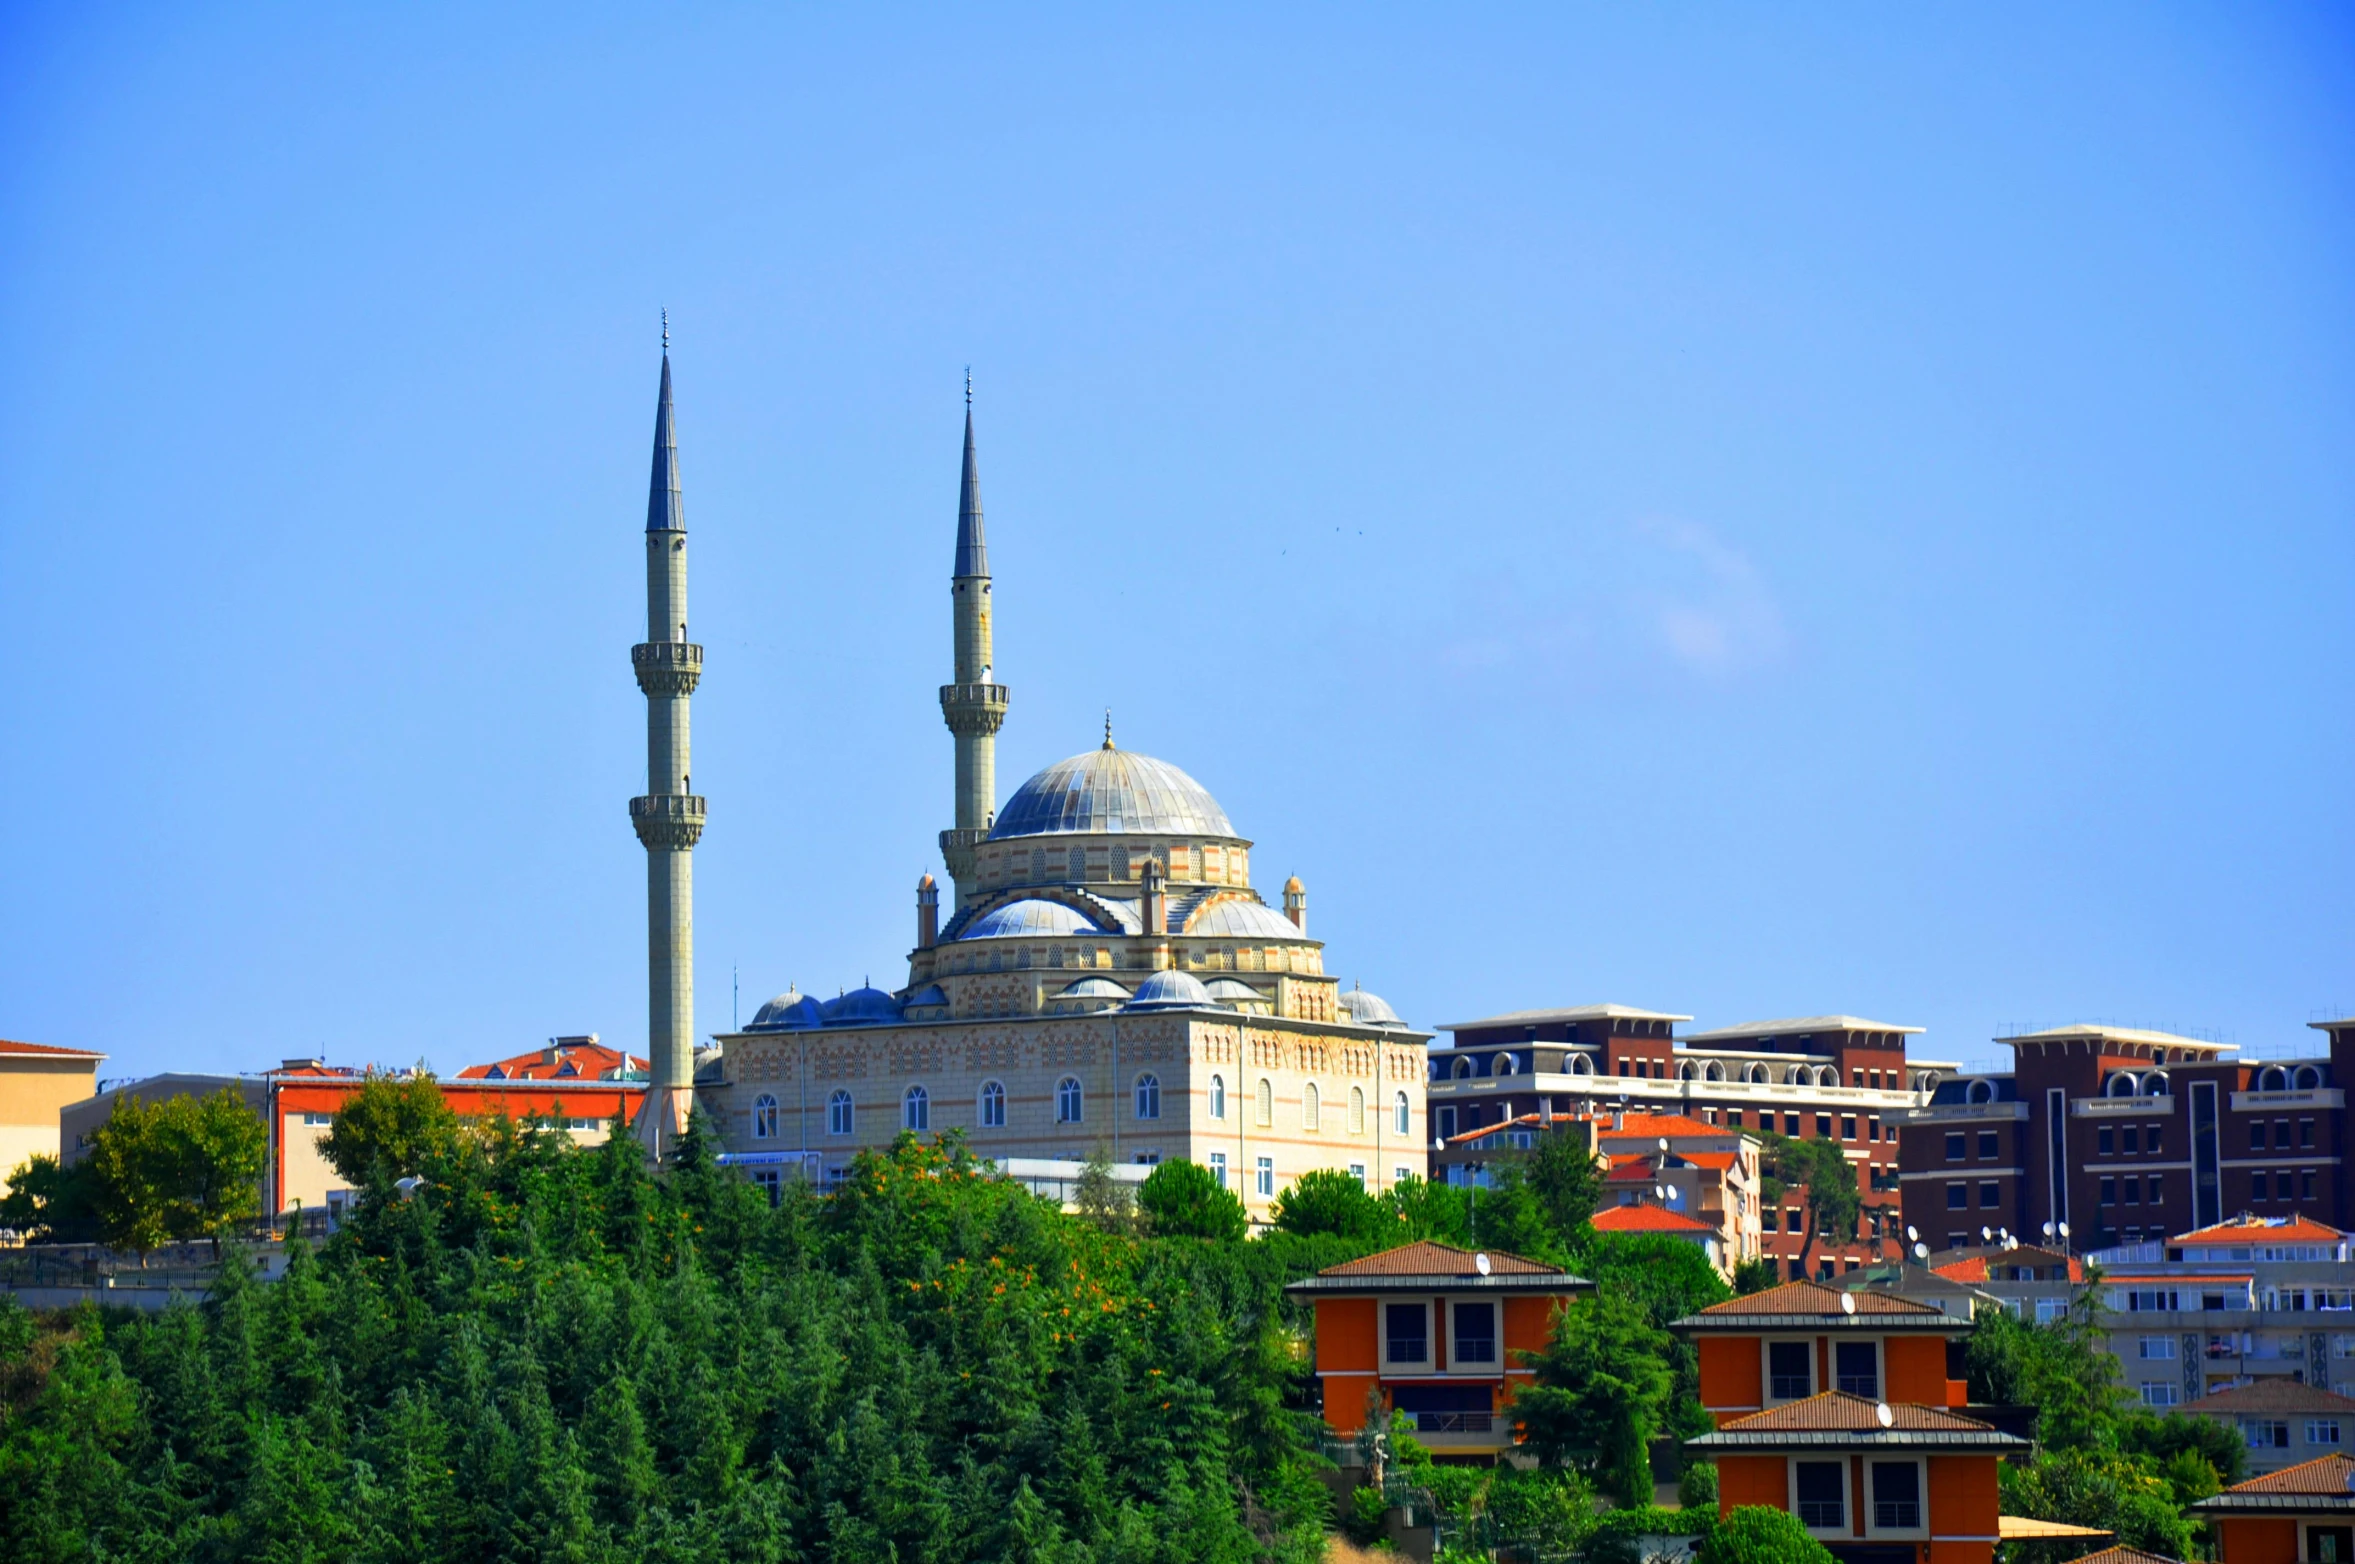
x=1108, y=727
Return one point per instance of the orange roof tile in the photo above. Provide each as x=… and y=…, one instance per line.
x=1974, y=1267
x=1426, y=1258
x=2330, y=1475
x=1836, y=1411
x=1815, y=1298
x=1655, y=1125
x=1647, y=1219
x=46, y=1050
x=587, y=1062
x=2297, y=1229
x=2124, y=1555
x=2272, y=1395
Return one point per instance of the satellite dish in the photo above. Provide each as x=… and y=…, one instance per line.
x=2064, y=1229
x=1480, y=1263
x=1913, y=1235
x=2048, y=1229
x=2004, y=1233
x=1847, y=1303
x=1986, y=1235
x=1659, y=1191
x=1883, y=1416
x=1921, y=1251
x=1663, y=1143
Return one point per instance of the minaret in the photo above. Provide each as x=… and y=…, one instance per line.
x=669, y=818
x=975, y=705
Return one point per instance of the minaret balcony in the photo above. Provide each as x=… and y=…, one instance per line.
x=671, y=821
x=974, y=710
x=667, y=667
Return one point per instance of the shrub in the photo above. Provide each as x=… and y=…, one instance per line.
x=1184, y=1199
x=1756, y=1534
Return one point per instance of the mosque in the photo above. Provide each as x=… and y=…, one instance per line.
x=1105, y=976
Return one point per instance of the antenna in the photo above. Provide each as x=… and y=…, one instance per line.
x=666, y=333
x=968, y=387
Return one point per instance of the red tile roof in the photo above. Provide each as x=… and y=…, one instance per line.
x=2330, y=1475
x=1974, y=1268
x=1836, y=1411
x=587, y=1061
x=1647, y=1219
x=1815, y=1298
x=2124, y=1555
x=2255, y=1230
x=1425, y=1258
x=2272, y=1395
x=1654, y=1126
x=45, y=1051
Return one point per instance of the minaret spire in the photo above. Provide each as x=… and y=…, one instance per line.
x=974, y=706
x=669, y=817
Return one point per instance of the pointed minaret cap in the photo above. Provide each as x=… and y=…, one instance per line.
x=972, y=549
x=665, y=510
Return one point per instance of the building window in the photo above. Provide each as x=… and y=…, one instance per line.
x=1847, y=1126
x=1310, y=1102
x=838, y=1114
x=1264, y=1100
x=2256, y=1134
x=1400, y=1175
x=2265, y=1434
x=1475, y=1330
x=1067, y=1100
x=1897, y=1496
x=770, y=1184
x=1769, y=1219
x=1790, y=1370
x=1990, y=1195
x=2049, y=1309
x=2157, y=1199
x=2109, y=1192
x=1858, y=1367
x=1148, y=1159
x=1958, y=1196
x=2105, y=1142
x=1822, y=1490
x=1406, y=1333
x=2306, y=1184
x=1148, y=1096
x=993, y=1106
x=1218, y=1168
x=1267, y=1177
x=2305, y=1132
x=1401, y=1115
x=2152, y=1138
x=1447, y=1124
x=1823, y=1126
x=915, y=1111
x=764, y=1117
x=1357, y=1110
x=2281, y=1134
x=2158, y=1393
x=2322, y=1431
x=1218, y=1097
x=2131, y=1187
x=2131, y=1138
x=1357, y=1170
x=2155, y=1347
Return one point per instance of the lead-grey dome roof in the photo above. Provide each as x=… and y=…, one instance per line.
x=1369, y=1009
x=1171, y=990
x=1111, y=790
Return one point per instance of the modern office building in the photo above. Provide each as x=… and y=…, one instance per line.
x=1834, y=1077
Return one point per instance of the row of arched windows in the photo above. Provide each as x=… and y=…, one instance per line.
x=1071, y=1106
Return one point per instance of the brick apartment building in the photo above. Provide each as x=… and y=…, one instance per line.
x=1833, y=1077
x=2128, y=1136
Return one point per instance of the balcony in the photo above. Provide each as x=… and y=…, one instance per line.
x=2118, y=1107
x=1454, y=1422
x=1965, y=1113
x=1897, y=1515
x=2311, y=1097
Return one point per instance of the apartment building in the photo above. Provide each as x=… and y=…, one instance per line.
x=1831, y=1077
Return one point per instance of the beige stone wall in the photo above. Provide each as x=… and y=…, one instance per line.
x=1193, y=1057
x=33, y=1091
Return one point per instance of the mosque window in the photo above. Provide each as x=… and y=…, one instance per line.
x=1403, y=1114
x=1148, y=1096
x=1055, y=957
x=1120, y=865
x=1357, y=1110
x=1079, y=864
x=1266, y=1101
x=1218, y=1097
x=764, y=1117
x=916, y=1109
x=838, y=1114
x=1038, y=865
x=1310, y=1102
x=993, y=1106
x=1067, y=1100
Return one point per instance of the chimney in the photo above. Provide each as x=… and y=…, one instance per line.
x=927, y=913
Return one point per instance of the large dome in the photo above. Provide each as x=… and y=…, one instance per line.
x=1111, y=790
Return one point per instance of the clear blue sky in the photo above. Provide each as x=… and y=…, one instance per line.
x=1745, y=511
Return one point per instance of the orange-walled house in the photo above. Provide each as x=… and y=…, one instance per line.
x=1836, y=1407
x=1435, y=1332
x=2300, y=1513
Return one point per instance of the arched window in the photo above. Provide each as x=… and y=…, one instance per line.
x=2155, y=1084
x=1403, y=1115
x=838, y=1114
x=764, y=1117
x=915, y=1109
x=1580, y=1064
x=2307, y=1078
x=1357, y=1110
x=1758, y=1075
x=1067, y=1100
x=2272, y=1079
x=1979, y=1091
x=1309, y=1104
x=1463, y=1068
x=1689, y=1072
x=1266, y=1099
x=1715, y=1072
x=993, y=1106
x=1218, y=1096
x=2122, y=1085
x=1825, y=1075
x=1505, y=1064
x=1148, y=1096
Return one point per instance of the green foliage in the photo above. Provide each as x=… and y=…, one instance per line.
x=391, y=1128
x=1562, y=1175
x=1103, y=1199
x=1755, y=1276
x=1601, y=1383
x=1367, y=1511
x=1758, y=1534
x=1184, y=1199
x=2059, y=1368
x=557, y=1353
x=1327, y=1200
x=1697, y=1489
x=1833, y=1204
x=188, y=1167
x=1439, y=1212
x=50, y=1203
x=2216, y=1444
x=1617, y=1538
x=2086, y=1487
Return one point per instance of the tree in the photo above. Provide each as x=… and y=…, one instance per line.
x=2120, y=1493
x=190, y=1167
x=1103, y=1199
x=50, y=1202
x=393, y=1127
x=2058, y=1367
x=1755, y=1276
x=1561, y=1173
x=1327, y=1200
x=1759, y=1534
x=1833, y=1204
x=2214, y=1444
x=1184, y=1199
x=1602, y=1379
x=1440, y=1212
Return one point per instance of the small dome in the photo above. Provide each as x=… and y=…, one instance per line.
x=1293, y=887
x=1030, y=917
x=789, y=1009
x=1369, y=1010
x=930, y=996
x=927, y=883
x=1093, y=988
x=1234, y=991
x=1172, y=990
x=1111, y=790
x=862, y=1007
x=1241, y=919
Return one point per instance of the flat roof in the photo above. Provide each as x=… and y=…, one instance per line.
x=1572, y=1013
x=2096, y=1032
x=1791, y=1026
x=2322, y=1026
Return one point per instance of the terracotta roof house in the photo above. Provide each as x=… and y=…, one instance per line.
x=2284, y=1423
x=1435, y=1332
x=2303, y=1512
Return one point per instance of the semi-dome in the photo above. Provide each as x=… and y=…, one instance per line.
x=1111, y=790
x=1369, y=1010
x=1172, y=990
x=1241, y=920
x=789, y=1009
x=1093, y=988
x=1029, y=917
x=862, y=1007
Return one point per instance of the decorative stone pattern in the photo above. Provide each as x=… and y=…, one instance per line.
x=667, y=667
x=668, y=822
